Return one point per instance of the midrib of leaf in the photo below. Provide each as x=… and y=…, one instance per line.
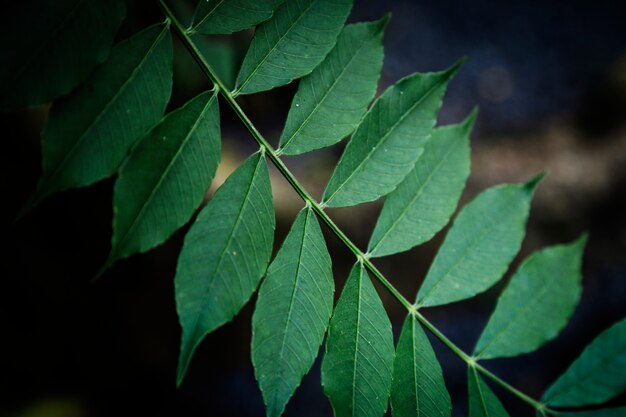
x=206, y=16
x=511, y=322
x=382, y=140
x=358, y=336
x=266, y=147
x=158, y=184
x=109, y=103
x=230, y=238
x=273, y=48
x=467, y=250
x=280, y=150
x=417, y=397
x=291, y=303
x=417, y=195
x=480, y=392
x=42, y=47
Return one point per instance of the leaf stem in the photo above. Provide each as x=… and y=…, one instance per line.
x=318, y=208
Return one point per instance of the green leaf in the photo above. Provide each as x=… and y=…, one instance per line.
x=606, y=412
x=220, y=55
x=165, y=177
x=89, y=133
x=330, y=101
x=423, y=203
x=227, y=16
x=357, y=366
x=482, y=401
x=49, y=47
x=418, y=388
x=536, y=304
x=597, y=375
x=391, y=137
x=483, y=240
x=292, y=43
x=292, y=312
x=224, y=256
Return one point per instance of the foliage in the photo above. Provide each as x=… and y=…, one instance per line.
x=110, y=119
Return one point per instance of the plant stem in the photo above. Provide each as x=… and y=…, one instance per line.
x=319, y=211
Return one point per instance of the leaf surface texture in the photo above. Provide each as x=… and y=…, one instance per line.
x=482, y=401
x=227, y=16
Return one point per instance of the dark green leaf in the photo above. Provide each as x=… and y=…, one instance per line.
x=89, y=133
x=482, y=401
x=224, y=256
x=166, y=176
x=357, y=366
x=49, y=47
x=484, y=239
x=418, y=388
x=391, y=137
x=331, y=100
x=423, y=203
x=536, y=304
x=228, y=16
x=597, y=375
x=292, y=43
x=292, y=312
x=606, y=412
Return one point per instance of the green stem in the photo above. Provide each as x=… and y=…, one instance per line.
x=319, y=211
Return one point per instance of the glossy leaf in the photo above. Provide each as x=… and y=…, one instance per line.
x=418, y=388
x=536, y=304
x=224, y=256
x=597, y=375
x=89, y=133
x=605, y=412
x=482, y=401
x=423, y=203
x=228, y=16
x=292, y=43
x=292, y=312
x=331, y=100
x=483, y=240
x=357, y=366
x=165, y=177
x=49, y=47
x=387, y=143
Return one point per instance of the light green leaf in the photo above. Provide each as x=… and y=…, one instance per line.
x=224, y=256
x=165, y=177
x=423, y=203
x=292, y=43
x=332, y=99
x=536, y=304
x=606, y=412
x=357, y=366
x=228, y=16
x=418, y=388
x=482, y=401
x=49, y=47
x=89, y=132
x=391, y=137
x=483, y=240
x=292, y=312
x=597, y=375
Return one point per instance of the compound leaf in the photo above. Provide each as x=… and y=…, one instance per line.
x=424, y=201
x=391, y=137
x=482, y=401
x=165, y=177
x=332, y=99
x=536, y=304
x=418, y=388
x=55, y=49
x=227, y=16
x=483, y=240
x=89, y=132
x=597, y=375
x=357, y=367
x=292, y=43
x=224, y=256
x=294, y=306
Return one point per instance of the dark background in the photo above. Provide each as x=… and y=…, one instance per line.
x=550, y=80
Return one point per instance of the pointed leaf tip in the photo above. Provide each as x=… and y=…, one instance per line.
x=531, y=185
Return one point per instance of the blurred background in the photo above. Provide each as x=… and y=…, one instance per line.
x=550, y=80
